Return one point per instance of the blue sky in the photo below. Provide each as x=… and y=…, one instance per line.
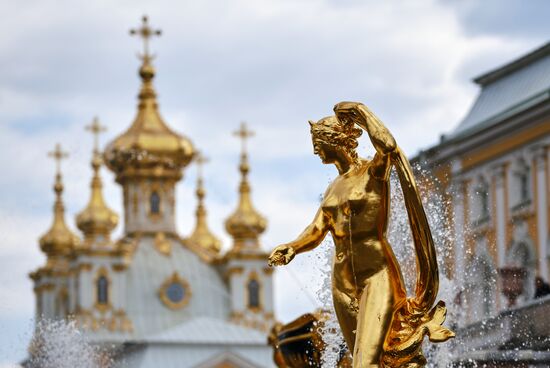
x=272, y=63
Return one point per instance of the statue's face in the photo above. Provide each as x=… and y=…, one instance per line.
x=327, y=152
x=321, y=134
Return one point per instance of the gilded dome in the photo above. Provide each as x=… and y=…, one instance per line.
x=202, y=238
x=96, y=218
x=58, y=240
x=149, y=146
x=245, y=224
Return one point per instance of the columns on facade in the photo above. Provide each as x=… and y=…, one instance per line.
x=458, y=188
x=499, y=173
x=540, y=155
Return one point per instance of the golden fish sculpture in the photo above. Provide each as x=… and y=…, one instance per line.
x=381, y=325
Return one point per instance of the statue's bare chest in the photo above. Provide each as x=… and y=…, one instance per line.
x=351, y=197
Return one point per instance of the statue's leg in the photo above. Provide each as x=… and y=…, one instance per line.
x=346, y=314
x=374, y=320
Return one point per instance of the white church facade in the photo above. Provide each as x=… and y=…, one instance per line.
x=161, y=299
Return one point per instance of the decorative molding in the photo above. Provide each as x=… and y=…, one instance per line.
x=162, y=245
x=235, y=270
x=499, y=173
x=119, y=267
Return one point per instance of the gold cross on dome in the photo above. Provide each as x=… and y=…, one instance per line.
x=200, y=159
x=96, y=129
x=145, y=32
x=244, y=133
x=57, y=154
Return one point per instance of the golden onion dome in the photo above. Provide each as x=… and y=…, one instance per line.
x=202, y=238
x=149, y=146
x=96, y=218
x=58, y=240
x=245, y=224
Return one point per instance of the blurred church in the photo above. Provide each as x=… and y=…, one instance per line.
x=495, y=170
x=161, y=299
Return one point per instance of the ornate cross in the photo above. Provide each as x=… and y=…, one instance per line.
x=145, y=32
x=200, y=159
x=57, y=154
x=244, y=134
x=96, y=129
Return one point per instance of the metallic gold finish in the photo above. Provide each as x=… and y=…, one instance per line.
x=59, y=240
x=202, y=237
x=163, y=295
x=299, y=343
x=96, y=219
x=245, y=224
x=118, y=321
x=145, y=32
x=162, y=244
x=381, y=326
x=149, y=148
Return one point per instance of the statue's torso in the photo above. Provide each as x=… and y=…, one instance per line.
x=356, y=206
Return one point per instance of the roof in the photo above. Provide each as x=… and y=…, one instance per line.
x=206, y=330
x=508, y=90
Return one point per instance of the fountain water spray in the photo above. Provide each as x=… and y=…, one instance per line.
x=59, y=344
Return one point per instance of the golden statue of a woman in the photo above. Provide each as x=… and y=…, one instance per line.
x=381, y=326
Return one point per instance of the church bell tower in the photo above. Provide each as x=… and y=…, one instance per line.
x=250, y=279
x=148, y=158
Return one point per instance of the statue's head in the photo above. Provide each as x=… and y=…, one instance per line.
x=332, y=138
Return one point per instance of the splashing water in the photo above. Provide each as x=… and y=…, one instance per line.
x=332, y=336
x=59, y=344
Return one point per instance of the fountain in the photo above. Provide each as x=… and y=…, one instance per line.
x=60, y=344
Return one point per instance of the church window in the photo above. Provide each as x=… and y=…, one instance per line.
x=175, y=292
x=483, y=204
x=524, y=186
x=482, y=290
x=253, y=293
x=61, y=304
x=102, y=290
x=522, y=256
x=155, y=203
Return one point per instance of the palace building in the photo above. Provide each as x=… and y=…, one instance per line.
x=162, y=299
x=494, y=169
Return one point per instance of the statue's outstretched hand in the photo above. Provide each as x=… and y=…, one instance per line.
x=281, y=255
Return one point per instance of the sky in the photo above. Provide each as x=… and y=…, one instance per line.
x=272, y=63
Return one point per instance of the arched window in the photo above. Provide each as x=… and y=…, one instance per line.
x=522, y=255
x=102, y=290
x=482, y=285
x=253, y=293
x=482, y=192
x=61, y=304
x=154, y=203
x=522, y=182
x=524, y=186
